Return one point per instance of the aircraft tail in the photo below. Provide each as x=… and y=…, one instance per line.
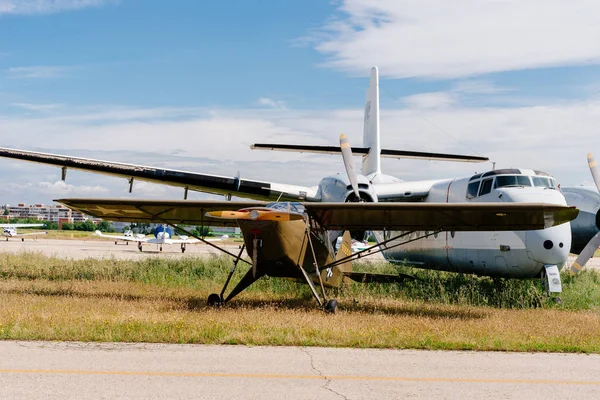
x=371, y=163
x=345, y=250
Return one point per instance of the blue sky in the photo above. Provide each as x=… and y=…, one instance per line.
x=190, y=84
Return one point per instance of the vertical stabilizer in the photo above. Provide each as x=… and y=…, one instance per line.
x=371, y=162
x=345, y=250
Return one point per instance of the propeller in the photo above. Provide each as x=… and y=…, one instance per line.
x=590, y=248
x=348, y=163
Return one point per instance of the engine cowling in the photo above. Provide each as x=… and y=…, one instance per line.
x=587, y=223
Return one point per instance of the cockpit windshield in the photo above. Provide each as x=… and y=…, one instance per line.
x=539, y=181
x=483, y=184
x=294, y=207
x=511, y=181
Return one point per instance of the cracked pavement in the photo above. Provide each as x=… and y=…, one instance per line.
x=73, y=370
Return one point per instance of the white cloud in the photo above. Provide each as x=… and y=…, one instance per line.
x=46, y=6
x=268, y=102
x=40, y=71
x=59, y=188
x=448, y=39
x=36, y=107
x=430, y=100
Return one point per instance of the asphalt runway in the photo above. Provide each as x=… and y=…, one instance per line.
x=54, y=370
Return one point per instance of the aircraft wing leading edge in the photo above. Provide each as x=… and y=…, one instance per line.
x=343, y=216
x=193, y=181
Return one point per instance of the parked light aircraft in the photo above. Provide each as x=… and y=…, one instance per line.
x=292, y=240
x=128, y=236
x=10, y=230
x=163, y=234
x=511, y=254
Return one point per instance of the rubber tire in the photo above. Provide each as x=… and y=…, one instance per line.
x=183, y=249
x=22, y=239
x=214, y=300
x=331, y=306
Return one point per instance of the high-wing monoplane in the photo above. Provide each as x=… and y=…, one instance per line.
x=10, y=230
x=163, y=234
x=294, y=240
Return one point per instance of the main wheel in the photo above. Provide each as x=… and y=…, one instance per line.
x=214, y=300
x=183, y=249
x=116, y=241
x=331, y=306
x=160, y=248
x=22, y=239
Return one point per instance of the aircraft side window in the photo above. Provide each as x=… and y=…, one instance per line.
x=472, y=189
x=486, y=186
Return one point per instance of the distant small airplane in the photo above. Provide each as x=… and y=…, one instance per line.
x=128, y=236
x=162, y=235
x=357, y=245
x=10, y=230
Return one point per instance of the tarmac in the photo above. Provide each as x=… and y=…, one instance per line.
x=72, y=370
x=52, y=370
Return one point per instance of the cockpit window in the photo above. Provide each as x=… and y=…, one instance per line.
x=512, y=181
x=539, y=181
x=486, y=186
x=472, y=189
x=294, y=207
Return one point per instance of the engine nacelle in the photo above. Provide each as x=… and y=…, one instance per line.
x=337, y=188
x=587, y=223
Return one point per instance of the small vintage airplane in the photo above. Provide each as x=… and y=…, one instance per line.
x=163, y=234
x=10, y=230
x=294, y=240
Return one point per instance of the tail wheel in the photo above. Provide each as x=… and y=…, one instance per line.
x=331, y=306
x=214, y=300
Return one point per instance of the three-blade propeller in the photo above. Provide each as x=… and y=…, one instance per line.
x=590, y=248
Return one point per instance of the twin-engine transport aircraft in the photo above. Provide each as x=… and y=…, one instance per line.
x=526, y=254
x=162, y=235
x=10, y=230
x=292, y=240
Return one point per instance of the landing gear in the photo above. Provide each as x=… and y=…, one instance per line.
x=160, y=248
x=116, y=242
x=183, y=247
x=214, y=300
x=140, y=246
x=331, y=306
x=22, y=239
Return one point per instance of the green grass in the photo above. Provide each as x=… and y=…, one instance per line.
x=164, y=300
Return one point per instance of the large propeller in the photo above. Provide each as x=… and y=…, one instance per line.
x=349, y=164
x=590, y=248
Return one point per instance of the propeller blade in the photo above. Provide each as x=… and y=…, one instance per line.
x=594, y=170
x=586, y=254
x=347, y=156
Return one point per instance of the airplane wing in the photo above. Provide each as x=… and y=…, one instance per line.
x=117, y=237
x=344, y=216
x=20, y=225
x=159, y=211
x=439, y=216
x=30, y=234
x=189, y=180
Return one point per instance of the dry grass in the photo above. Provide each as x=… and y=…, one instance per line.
x=165, y=301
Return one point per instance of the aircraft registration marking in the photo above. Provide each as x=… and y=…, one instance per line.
x=304, y=377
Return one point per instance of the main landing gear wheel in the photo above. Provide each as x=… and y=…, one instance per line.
x=140, y=246
x=22, y=239
x=331, y=306
x=160, y=248
x=214, y=300
x=183, y=247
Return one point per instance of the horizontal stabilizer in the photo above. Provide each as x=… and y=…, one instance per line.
x=366, y=277
x=361, y=151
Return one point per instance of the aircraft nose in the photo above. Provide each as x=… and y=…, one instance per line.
x=549, y=246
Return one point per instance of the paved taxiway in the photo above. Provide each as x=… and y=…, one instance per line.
x=78, y=249
x=52, y=370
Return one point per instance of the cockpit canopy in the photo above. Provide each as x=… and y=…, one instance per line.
x=482, y=184
x=294, y=207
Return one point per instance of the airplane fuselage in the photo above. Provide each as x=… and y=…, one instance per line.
x=518, y=254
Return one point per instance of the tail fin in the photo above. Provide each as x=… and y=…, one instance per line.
x=371, y=163
x=345, y=250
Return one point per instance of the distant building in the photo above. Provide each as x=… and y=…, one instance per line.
x=43, y=212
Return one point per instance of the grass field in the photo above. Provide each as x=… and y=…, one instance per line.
x=164, y=300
